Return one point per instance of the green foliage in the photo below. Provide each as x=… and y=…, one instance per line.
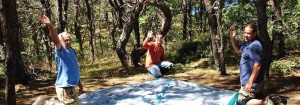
x=230, y=56
x=291, y=13
x=239, y=15
x=147, y=20
x=2, y=77
x=291, y=18
x=174, y=6
x=292, y=42
x=186, y=51
x=284, y=66
x=2, y=74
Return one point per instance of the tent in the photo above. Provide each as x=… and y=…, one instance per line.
x=160, y=92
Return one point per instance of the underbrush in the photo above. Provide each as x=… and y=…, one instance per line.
x=285, y=65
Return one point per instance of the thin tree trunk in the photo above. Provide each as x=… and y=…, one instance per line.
x=201, y=16
x=2, y=41
x=189, y=11
x=100, y=43
x=91, y=28
x=34, y=37
x=184, y=18
x=100, y=37
x=263, y=33
x=66, y=4
x=205, y=21
x=113, y=31
x=279, y=35
x=62, y=23
x=221, y=41
x=215, y=39
x=77, y=26
x=45, y=37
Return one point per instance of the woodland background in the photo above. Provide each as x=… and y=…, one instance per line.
x=107, y=35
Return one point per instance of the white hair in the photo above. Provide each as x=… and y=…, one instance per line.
x=61, y=34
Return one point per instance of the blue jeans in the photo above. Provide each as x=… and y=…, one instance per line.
x=159, y=69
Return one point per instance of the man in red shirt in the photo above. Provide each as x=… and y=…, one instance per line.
x=155, y=56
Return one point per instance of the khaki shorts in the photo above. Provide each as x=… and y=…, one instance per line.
x=67, y=95
x=256, y=93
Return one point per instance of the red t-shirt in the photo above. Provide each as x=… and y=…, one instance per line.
x=154, y=54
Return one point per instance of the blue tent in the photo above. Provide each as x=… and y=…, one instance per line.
x=160, y=92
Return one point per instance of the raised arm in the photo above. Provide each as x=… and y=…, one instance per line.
x=233, y=40
x=149, y=36
x=53, y=34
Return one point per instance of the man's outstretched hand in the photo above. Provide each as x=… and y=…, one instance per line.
x=232, y=31
x=150, y=34
x=44, y=20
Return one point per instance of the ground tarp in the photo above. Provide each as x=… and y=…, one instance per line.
x=160, y=92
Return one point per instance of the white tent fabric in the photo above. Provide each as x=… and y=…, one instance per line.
x=160, y=92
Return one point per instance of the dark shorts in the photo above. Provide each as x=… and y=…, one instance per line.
x=256, y=93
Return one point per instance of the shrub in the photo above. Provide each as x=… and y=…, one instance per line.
x=284, y=66
x=185, y=51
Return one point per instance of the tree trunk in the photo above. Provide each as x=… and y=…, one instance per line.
x=2, y=59
x=184, y=18
x=189, y=11
x=66, y=4
x=263, y=33
x=118, y=7
x=100, y=43
x=201, y=15
x=13, y=59
x=137, y=51
x=279, y=36
x=215, y=39
x=113, y=31
x=165, y=16
x=46, y=38
x=62, y=23
x=77, y=26
x=91, y=29
x=121, y=44
x=222, y=69
x=205, y=21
